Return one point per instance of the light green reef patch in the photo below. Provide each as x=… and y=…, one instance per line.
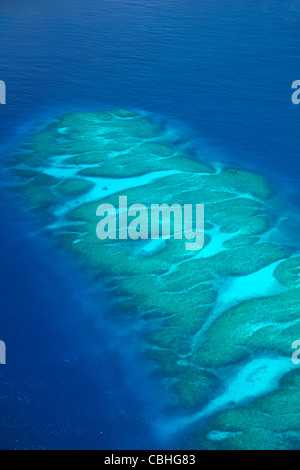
x=271, y=423
x=74, y=187
x=211, y=313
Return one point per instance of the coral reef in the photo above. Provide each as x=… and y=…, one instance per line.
x=221, y=317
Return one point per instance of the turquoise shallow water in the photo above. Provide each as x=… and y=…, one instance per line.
x=172, y=306
x=220, y=74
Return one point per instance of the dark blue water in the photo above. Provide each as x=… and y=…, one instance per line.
x=223, y=69
x=67, y=383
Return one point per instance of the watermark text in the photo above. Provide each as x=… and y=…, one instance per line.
x=2, y=352
x=2, y=92
x=160, y=221
x=296, y=94
x=296, y=354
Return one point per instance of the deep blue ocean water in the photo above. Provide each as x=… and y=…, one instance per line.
x=220, y=70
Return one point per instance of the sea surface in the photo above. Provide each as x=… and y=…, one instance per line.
x=220, y=72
